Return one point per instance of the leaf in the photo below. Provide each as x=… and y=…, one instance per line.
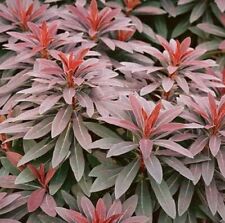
x=24, y=177
x=68, y=94
x=48, y=205
x=208, y=171
x=58, y=179
x=211, y=193
x=146, y=146
x=105, y=179
x=214, y=144
x=39, y=130
x=61, y=120
x=221, y=161
x=154, y=168
x=48, y=103
x=100, y=130
x=164, y=197
x=81, y=133
x=211, y=29
x=169, y=7
x=36, y=151
x=62, y=147
x=125, y=178
x=198, y=11
x=174, y=147
x=180, y=28
x=35, y=199
x=121, y=148
x=77, y=161
x=178, y=166
x=185, y=196
x=144, y=206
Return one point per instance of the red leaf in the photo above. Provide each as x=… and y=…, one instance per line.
x=49, y=175
x=213, y=107
x=35, y=199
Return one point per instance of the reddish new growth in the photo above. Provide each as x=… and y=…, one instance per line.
x=149, y=120
x=21, y=12
x=131, y=4
x=125, y=35
x=43, y=35
x=217, y=114
x=177, y=51
x=71, y=64
x=42, y=177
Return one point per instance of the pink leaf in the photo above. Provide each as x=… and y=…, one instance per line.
x=146, y=146
x=35, y=199
x=174, y=147
x=120, y=123
x=214, y=144
x=48, y=205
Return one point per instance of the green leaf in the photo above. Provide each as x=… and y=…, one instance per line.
x=125, y=178
x=8, y=166
x=144, y=206
x=59, y=179
x=185, y=196
x=180, y=28
x=24, y=177
x=37, y=151
x=77, y=161
x=62, y=147
x=164, y=197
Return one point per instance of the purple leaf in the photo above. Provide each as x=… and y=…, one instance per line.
x=214, y=144
x=212, y=196
x=61, y=120
x=221, y=161
x=208, y=168
x=174, y=147
x=154, y=168
x=81, y=133
x=121, y=148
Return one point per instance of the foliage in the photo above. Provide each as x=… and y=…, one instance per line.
x=112, y=111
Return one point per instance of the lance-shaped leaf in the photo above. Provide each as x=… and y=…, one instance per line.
x=77, y=161
x=35, y=199
x=81, y=133
x=61, y=120
x=121, y=148
x=125, y=178
x=48, y=205
x=24, y=177
x=185, y=196
x=62, y=147
x=39, y=130
x=208, y=168
x=144, y=206
x=36, y=151
x=221, y=161
x=164, y=197
x=211, y=193
x=174, y=147
x=154, y=168
x=178, y=166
